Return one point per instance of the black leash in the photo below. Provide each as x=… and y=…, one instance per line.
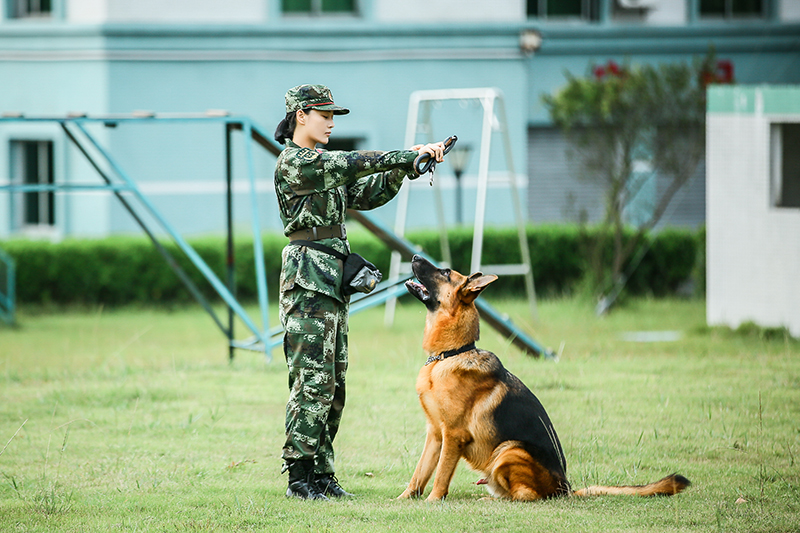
x=425, y=163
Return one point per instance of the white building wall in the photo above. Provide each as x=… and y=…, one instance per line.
x=425, y=11
x=168, y=11
x=667, y=12
x=257, y=11
x=656, y=12
x=753, y=251
x=789, y=10
x=87, y=11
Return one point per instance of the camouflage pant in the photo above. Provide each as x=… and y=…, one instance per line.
x=315, y=345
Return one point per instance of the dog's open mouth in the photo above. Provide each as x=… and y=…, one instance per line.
x=418, y=290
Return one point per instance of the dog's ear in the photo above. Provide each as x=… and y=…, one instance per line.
x=473, y=286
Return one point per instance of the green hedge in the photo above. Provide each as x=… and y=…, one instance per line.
x=123, y=270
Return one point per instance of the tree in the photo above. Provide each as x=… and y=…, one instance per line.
x=617, y=117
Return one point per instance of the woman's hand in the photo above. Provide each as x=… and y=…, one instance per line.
x=435, y=150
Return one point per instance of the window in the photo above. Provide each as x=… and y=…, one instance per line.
x=563, y=9
x=319, y=7
x=25, y=9
x=732, y=8
x=32, y=164
x=785, y=165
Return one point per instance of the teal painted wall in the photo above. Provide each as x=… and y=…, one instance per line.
x=116, y=68
x=55, y=88
x=749, y=100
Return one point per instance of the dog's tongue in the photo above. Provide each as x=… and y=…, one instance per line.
x=481, y=482
x=417, y=285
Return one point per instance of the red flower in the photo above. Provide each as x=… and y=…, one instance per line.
x=599, y=72
x=724, y=71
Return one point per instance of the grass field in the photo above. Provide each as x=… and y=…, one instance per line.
x=133, y=420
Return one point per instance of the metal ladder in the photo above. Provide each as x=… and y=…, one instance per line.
x=494, y=120
x=117, y=181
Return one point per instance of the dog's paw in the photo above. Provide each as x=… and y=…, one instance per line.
x=409, y=493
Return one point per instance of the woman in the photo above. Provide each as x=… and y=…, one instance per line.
x=314, y=189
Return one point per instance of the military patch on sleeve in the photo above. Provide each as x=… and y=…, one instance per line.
x=307, y=155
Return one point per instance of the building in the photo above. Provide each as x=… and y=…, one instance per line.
x=753, y=207
x=117, y=56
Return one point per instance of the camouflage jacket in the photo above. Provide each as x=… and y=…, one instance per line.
x=315, y=188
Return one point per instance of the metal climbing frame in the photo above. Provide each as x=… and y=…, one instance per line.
x=117, y=181
x=494, y=119
x=124, y=187
x=7, y=296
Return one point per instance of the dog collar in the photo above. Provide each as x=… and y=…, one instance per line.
x=450, y=353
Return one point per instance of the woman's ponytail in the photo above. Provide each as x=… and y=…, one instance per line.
x=285, y=129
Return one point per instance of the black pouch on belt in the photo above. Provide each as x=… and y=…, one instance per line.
x=358, y=274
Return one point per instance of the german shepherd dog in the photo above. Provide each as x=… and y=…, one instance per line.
x=478, y=410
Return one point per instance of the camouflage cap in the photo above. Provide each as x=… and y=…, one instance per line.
x=307, y=97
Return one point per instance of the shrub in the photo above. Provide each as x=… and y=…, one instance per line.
x=125, y=270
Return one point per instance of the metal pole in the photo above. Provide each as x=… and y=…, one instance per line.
x=258, y=246
x=518, y=215
x=459, y=217
x=229, y=260
x=402, y=208
x=7, y=300
x=483, y=180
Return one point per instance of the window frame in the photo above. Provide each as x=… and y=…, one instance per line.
x=21, y=10
x=316, y=10
x=590, y=12
x=45, y=174
x=777, y=167
x=729, y=15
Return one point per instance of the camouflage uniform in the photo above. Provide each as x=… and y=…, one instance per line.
x=315, y=188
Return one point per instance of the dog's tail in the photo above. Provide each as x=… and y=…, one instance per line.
x=667, y=486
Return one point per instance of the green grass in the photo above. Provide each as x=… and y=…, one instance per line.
x=132, y=420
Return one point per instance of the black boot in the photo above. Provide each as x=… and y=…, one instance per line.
x=301, y=482
x=328, y=485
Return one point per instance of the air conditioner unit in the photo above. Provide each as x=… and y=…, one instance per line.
x=637, y=4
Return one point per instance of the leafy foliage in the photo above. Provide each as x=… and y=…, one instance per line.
x=125, y=270
x=619, y=119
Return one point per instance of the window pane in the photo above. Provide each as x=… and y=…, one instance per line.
x=338, y=6
x=51, y=196
x=533, y=8
x=790, y=167
x=712, y=7
x=747, y=7
x=564, y=8
x=296, y=6
x=30, y=166
x=29, y=8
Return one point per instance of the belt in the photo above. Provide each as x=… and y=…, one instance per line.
x=316, y=233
